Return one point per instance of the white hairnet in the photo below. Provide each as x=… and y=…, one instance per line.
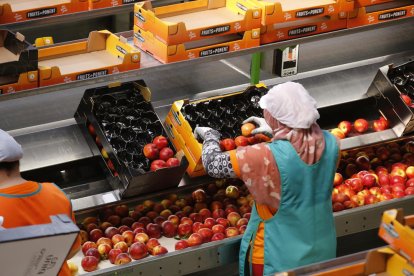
x=290, y=104
x=10, y=150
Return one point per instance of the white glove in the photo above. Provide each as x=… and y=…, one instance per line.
x=200, y=132
x=262, y=128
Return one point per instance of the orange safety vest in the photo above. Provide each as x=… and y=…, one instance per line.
x=33, y=203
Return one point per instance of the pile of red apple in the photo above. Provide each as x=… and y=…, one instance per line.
x=160, y=154
x=346, y=128
x=243, y=140
x=375, y=174
x=121, y=235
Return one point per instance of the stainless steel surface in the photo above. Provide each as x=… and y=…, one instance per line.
x=150, y=66
x=369, y=217
x=51, y=147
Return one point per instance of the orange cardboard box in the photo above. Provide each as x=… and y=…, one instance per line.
x=100, y=4
x=180, y=131
x=363, y=3
x=195, y=20
x=397, y=231
x=21, y=10
x=278, y=11
x=306, y=27
x=380, y=13
x=27, y=80
x=172, y=53
x=102, y=54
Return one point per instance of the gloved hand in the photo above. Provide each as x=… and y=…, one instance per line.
x=262, y=128
x=200, y=132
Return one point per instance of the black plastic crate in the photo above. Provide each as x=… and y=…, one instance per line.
x=124, y=121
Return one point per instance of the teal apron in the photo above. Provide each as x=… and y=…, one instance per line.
x=302, y=231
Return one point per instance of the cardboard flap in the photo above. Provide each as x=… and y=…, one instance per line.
x=214, y=4
x=376, y=261
x=96, y=41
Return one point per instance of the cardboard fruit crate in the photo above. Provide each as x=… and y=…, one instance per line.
x=102, y=54
x=16, y=55
x=223, y=113
x=397, y=231
x=46, y=244
x=306, y=27
x=100, y=4
x=364, y=3
x=22, y=10
x=24, y=81
x=195, y=20
x=375, y=14
x=121, y=120
x=279, y=11
x=146, y=41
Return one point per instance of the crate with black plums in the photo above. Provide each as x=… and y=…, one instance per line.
x=222, y=113
x=121, y=122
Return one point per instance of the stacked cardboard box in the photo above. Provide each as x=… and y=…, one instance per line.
x=195, y=29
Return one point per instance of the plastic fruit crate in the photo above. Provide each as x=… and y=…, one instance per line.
x=121, y=120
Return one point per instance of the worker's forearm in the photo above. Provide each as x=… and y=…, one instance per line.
x=216, y=163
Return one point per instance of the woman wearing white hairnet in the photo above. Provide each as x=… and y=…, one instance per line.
x=290, y=178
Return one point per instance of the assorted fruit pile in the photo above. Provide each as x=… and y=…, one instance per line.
x=120, y=234
x=374, y=174
x=346, y=128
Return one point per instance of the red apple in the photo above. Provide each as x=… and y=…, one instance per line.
x=160, y=141
x=232, y=232
x=89, y=263
x=409, y=171
x=117, y=238
x=159, y=220
x=138, y=250
x=209, y=222
x=242, y=221
x=166, y=153
x=410, y=182
x=196, y=217
x=195, y=239
x=398, y=187
x=184, y=230
x=241, y=141
x=172, y=162
x=375, y=191
x=380, y=125
x=398, y=194
x=199, y=195
x=124, y=228
x=138, y=230
x=227, y=144
x=398, y=171
x=154, y=230
x=95, y=235
x=394, y=179
x=205, y=213
x=186, y=220
x=181, y=244
x=122, y=246
x=338, y=133
x=128, y=237
x=409, y=191
x=386, y=189
x=151, y=151
x=223, y=222
x=111, y=231
x=157, y=164
x=345, y=127
x=218, y=213
x=151, y=244
x=337, y=206
x=218, y=228
x=104, y=240
x=206, y=234
x=218, y=236
x=113, y=254
x=197, y=226
x=338, y=179
x=159, y=250
x=368, y=180
x=87, y=245
x=361, y=125
x=141, y=237
x=169, y=229
x=93, y=252
x=242, y=229
x=383, y=179
x=356, y=184
x=233, y=218
x=122, y=258
x=232, y=192
x=103, y=250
